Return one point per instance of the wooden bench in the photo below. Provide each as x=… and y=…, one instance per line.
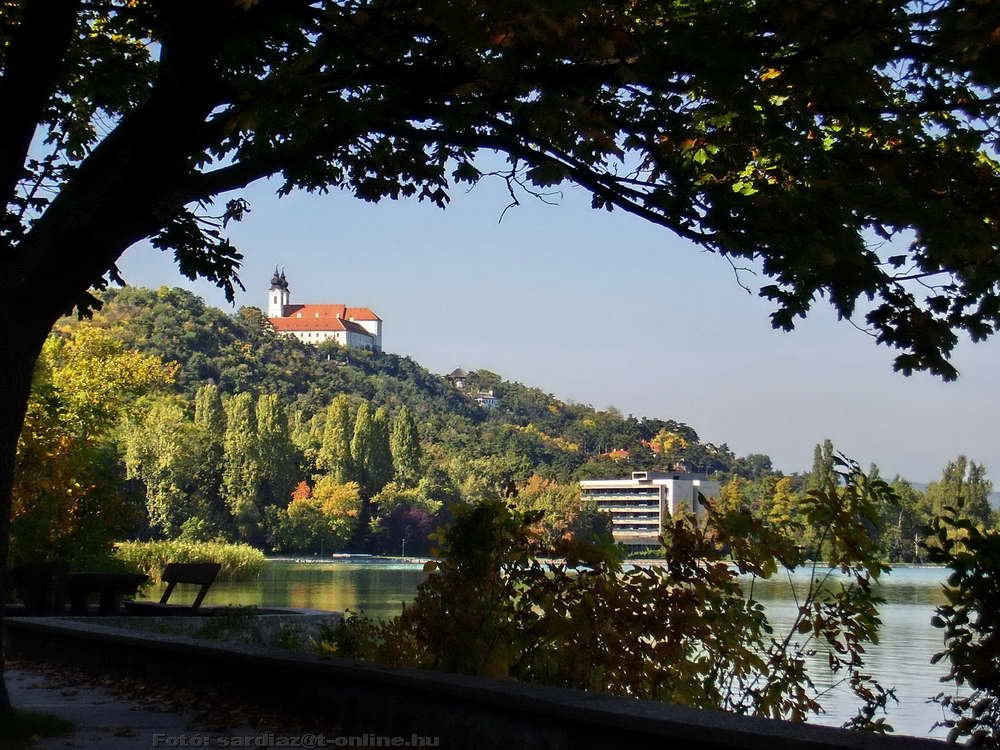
x=111, y=587
x=41, y=587
x=202, y=574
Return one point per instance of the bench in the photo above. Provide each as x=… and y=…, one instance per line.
x=202, y=574
x=41, y=587
x=111, y=587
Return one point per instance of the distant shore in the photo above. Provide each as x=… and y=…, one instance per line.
x=367, y=558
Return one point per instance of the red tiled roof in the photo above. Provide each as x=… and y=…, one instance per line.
x=330, y=311
x=317, y=324
x=314, y=311
x=361, y=313
x=308, y=324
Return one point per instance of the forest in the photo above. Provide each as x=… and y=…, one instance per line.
x=165, y=418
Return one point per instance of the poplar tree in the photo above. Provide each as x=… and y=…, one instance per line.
x=380, y=468
x=300, y=430
x=209, y=413
x=405, y=447
x=335, y=452
x=241, y=457
x=167, y=452
x=965, y=487
x=823, y=476
x=277, y=453
x=362, y=447
x=210, y=421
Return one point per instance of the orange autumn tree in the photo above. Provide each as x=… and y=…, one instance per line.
x=668, y=444
x=320, y=519
x=66, y=502
x=563, y=516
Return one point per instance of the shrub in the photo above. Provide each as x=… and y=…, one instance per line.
x=239, y=562
x=971, y=623
x=685, y=632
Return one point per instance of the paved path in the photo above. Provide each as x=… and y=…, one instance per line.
x=103, y=719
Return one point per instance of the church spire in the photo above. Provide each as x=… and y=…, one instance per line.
x=278, y=280
x=278, y=295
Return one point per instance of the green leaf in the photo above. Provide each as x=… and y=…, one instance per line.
x=547, y=175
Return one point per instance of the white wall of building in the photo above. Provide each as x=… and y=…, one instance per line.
x=276, y=301
x=374, y=327
x=349, y=339
x=683, y=494
x=359, y=340
x=677, y=492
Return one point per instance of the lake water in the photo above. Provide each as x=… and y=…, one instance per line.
x=901, y=658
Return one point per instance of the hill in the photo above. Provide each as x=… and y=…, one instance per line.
x=163, y=417
x=241, y=353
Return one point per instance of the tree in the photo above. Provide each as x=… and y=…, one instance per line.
x=379, y=460
x=372, y=462
x=823, y=476
x=334, y=455
x=563, y=515
x=241, y=477
x=438, y=490
x=209, y=413
x=963, y=486
x=971, y=629
x=67, y=503
x=404, y=520
x=496, y=603
x=783, y=508
x=171, y=456
x=318, y=520
x=363, y=446
x=278, y=462
x=210, y=418
x=816, y=136
x=754, y=466
x=732, y=495
x=903, y=523
x=668, y=444
x=405, y=446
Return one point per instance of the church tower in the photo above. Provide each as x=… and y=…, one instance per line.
x=277, y=295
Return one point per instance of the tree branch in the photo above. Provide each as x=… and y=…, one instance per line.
x=33, y=63
x=590, y=179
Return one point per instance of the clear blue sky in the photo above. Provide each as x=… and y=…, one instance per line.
x=605, y=309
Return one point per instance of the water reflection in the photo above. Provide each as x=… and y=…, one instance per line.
x=900, y=659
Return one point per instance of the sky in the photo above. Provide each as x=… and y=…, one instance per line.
x=606, y=309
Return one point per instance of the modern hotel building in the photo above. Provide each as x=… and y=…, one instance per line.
x=640, y=504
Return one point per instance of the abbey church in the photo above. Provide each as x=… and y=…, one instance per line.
x=353, y=327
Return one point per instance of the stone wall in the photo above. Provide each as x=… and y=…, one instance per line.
x=465, y=712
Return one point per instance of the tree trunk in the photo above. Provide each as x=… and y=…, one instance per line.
x=18, y=353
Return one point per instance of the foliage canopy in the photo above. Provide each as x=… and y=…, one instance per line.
x=845, y=149
x=503, y=601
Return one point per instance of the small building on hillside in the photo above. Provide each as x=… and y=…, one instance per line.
x=351, y=327
x=639, y=505
x=487, y=399
x=458, y=378
x=469, y=383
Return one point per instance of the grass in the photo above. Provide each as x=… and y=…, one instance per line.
x=20, y=730
x=240, y=562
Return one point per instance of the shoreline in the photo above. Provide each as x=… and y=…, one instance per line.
x=361, y=558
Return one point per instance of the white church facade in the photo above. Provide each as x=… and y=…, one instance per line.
x=352, y=327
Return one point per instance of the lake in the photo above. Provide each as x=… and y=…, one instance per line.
x=379, y=587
